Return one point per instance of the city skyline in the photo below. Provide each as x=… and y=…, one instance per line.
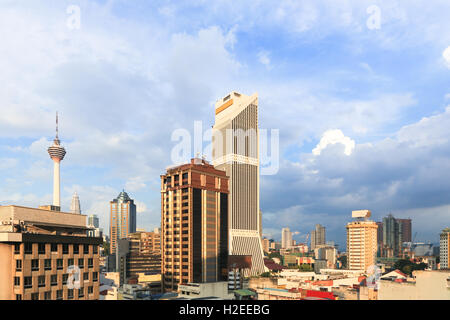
x=372, y=135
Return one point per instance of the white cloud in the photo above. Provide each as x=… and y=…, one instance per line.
x=263, y=57
x=446, y=56
x=333, y=137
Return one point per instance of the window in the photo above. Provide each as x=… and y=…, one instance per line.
x=35, y=265
x=81, y=263
x=86, y=276
x=17, y=248
x=90, y=263
x=76, y=249
x=65, y=249
x=18, y=297
x=19, y=265
x=95, y=248
x=35, y=296
x=41, y=281
x=65, y=277
x=59, y=295
x=86, y=249
x=95, y=276
x=27, y=282
x=81, y=293
x=48, y=264
x=70, y=262
x=54, y=280
x=17, y=281
x=28, y=248
x=59, y=264
x=54, y=247
x=48, y=295
x=41, y=248
x=70, y=294
x=90, y=289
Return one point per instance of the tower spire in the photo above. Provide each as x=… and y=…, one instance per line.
x=56, y=153
x=56, y=125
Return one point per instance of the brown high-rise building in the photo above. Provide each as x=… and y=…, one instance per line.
x=122, y=220
x=406, y=229
x=144, y=254
x=194, y=224
x=40, y=248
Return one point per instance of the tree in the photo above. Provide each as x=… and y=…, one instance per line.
x=265, y=274
x=343, y=260
x=407, y=266
x=305, y=267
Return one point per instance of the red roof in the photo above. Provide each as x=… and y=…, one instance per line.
x=401, y=273
x=272, y=265
x=320, y=294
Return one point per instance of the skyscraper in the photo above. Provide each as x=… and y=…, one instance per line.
x=57, y=153
x=444, y=245
x=406, y=229
x=392, y=235
x=194, y=224
x=93, y=220
x=286, y=238
x=123, y=218
x=75, y=205
x=318, y=236
x=236, y=151
x=361, y=241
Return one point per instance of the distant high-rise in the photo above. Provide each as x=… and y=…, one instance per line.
x=57, y=153
x=236, y=151
x=406, y=229
x=194, y=224
x=75, y=204
x=444, y=245
x=318, y=236
x=286, y=238
x=392, y=234
x=123, y=219
x=361, y=241
x=93, y=220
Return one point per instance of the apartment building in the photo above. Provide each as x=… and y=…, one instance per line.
x=47, y=255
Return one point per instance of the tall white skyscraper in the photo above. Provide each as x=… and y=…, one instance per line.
x=75, y=204
x=57, y=153
x=286, y=238
x=236, y=150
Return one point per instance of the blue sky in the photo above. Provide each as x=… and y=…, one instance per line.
x=374, y=104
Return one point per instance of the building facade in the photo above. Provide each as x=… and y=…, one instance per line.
x=286, y=238
x=318, y=236
x=46, y=255
x=361, y=243
x=122, y=219
x=194, y=224
x=392, y=236
x=236, y=151
x=444, y=245
x=144, y=255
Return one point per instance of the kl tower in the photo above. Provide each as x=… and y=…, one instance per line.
x=57, y=153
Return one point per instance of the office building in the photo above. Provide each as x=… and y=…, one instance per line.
x=318, y=236
x=38, y=249
x=57, y=153
x=286, y=238
x=123, y=219
x=406, y=226
x=266, y=245
x=194, y=224
x=144, y=254
x=361, y=241
x=444, y=245
x=75, y=204
x=392, y=236
x=380, y=234
x=236, y=151
x=93, y=221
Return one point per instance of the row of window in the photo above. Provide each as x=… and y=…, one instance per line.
x=28, y=281
x=59, y=264
x=28, y=248
x=59, y=294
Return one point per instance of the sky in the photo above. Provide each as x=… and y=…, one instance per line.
x=359, y=91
